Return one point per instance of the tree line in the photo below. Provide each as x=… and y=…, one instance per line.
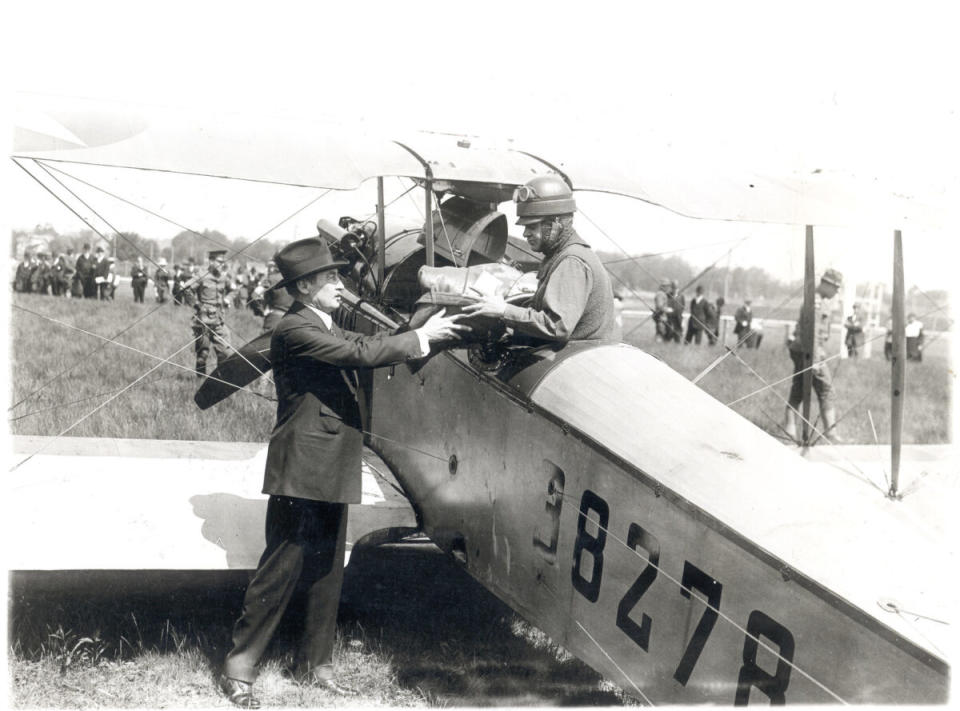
x=127, y=246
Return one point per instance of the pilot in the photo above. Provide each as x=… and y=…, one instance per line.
x=313, y=466
x=574, y=297
x=830, y=283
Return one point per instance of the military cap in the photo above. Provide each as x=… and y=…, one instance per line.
x=215, y=253
x=832, y=276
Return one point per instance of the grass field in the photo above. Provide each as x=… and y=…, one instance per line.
x=135, y=642
x=62, y=375
x=414, y=630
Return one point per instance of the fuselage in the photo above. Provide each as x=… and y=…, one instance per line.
x=658, y=535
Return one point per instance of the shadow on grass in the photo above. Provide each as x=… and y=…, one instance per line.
x=431, y=625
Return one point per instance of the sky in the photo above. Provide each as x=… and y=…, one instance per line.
x=764, y=85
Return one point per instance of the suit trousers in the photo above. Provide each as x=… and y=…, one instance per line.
x=305, y=552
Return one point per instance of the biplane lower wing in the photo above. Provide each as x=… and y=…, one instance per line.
x=126, y=504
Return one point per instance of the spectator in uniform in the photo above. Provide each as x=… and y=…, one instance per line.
x=180, y=280
x=660, y=311
x=675, y=306
x=161, y=281
x=40, y=275
x=66, y=272
x=209, y=329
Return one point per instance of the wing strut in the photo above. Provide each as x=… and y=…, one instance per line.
x=898, y=362
x=428, y=221
x=428, y=201
x=381, y=237
x=806, y=336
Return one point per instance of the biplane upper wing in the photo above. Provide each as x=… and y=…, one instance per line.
x=327, y=155
x=291, y=152
x=699, y=185
x=285, y=151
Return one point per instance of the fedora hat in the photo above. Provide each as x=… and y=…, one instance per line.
x=303, y=258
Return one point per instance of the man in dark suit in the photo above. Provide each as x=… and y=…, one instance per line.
x=313, y=466
x=85, y=267
x=699, y=317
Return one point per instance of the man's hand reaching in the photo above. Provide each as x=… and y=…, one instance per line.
x=440, y=327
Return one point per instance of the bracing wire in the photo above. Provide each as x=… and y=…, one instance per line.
x=98, y=407
x=79, y=401
x=191, y=342
x=614, y=663
x=157, y=308
x=127, y=347
x=636, y=261
x=739, y=343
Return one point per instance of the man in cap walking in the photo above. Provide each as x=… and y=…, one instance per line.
x=313, y=465
x=830, y=283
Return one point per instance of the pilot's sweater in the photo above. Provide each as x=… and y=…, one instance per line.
x=574, y=297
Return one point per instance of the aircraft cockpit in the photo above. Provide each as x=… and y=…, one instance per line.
x=474, y=257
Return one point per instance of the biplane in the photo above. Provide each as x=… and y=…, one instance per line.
x=662, y=538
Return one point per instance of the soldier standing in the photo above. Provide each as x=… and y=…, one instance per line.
x=675, y=305
x=161, y=280
x=40, y=277
x=208, y=326
x=66, y=269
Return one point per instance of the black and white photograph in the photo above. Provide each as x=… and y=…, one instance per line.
x=480, y=354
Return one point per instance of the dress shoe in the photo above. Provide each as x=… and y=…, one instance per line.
x=239, y=693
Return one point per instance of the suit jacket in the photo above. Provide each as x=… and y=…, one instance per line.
x=315, y=448
x=698, y=312
x=101, y=267
x=84, y=266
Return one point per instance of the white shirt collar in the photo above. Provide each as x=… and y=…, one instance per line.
x=325, y=317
